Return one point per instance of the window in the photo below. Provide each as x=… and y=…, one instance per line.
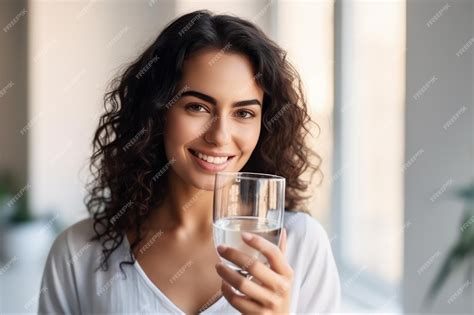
x=369, y=115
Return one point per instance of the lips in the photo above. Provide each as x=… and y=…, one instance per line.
x=213, y=163
x=215, y=158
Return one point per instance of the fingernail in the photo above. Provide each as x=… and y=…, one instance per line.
x=221, y=249
x=246, y=236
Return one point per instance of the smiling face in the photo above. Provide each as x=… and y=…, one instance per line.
x=215, y=124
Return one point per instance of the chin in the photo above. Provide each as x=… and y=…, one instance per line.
x=203, y=181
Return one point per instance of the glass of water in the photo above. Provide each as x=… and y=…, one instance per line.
x=247, y=202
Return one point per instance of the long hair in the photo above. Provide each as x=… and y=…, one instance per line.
x=128, y=148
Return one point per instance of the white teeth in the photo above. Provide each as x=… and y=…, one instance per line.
x=212, y=159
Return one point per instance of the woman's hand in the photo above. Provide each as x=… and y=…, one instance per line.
x=272, y=293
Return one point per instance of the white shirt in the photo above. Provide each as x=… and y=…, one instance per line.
x=71, y=285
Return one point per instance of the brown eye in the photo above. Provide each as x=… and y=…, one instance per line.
x=245, y=114
x=195, y=108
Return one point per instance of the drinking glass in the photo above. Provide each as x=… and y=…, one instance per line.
x=247, y=202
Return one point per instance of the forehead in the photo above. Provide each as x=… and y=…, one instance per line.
x=226, y=76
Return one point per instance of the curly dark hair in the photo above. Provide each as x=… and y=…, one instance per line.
x=128, y=144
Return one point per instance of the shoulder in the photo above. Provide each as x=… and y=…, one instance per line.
x=307, y=240
x=304, y=229
x=69, y=265
x=74, y=241
x=80, y=233
x=309, y=253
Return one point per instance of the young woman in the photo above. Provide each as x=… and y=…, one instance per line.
x=212, y=93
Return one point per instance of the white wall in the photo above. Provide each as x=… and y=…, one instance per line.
x=75, y=49
x=445, y=159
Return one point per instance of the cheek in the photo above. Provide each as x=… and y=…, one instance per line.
x=179, y=131
x=247, y=138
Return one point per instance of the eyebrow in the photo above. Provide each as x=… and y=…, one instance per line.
x=213, y=101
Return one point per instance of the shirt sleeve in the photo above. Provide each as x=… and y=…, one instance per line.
x=321, y=288
x=58, y=294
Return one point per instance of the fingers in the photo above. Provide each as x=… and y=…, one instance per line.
x=247, y=287
x=267, y=277
x=271, y=291
x=274, y=255
x=242, y=303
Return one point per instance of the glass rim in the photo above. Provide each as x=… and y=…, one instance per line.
x=252, y=175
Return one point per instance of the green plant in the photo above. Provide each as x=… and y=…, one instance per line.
x=4, y=186
x=463, y=249
x=12, y=212
x=21, y=212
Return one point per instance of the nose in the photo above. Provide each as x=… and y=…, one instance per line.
x=218, y=132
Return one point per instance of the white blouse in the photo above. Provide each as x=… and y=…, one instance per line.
x=71, y=285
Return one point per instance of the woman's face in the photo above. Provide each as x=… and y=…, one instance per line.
x=215, y=124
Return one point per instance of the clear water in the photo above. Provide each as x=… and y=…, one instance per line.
x=227, y=231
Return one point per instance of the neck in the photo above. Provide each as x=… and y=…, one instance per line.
x=185, y=211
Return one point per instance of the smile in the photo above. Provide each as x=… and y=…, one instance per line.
x=211, y=158
x=215, y=162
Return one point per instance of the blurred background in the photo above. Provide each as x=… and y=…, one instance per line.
x=390, y=83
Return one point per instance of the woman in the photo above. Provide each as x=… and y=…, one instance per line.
x=211, y=93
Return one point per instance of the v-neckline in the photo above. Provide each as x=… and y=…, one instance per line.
x=156, y=290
